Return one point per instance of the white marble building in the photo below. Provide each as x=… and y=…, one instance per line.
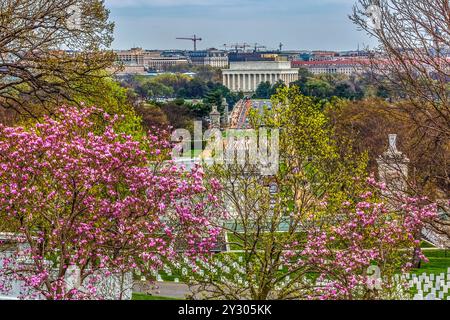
x=246, y=76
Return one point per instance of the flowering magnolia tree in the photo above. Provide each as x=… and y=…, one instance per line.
x=314, y=248
x=356, y=252
x=312, y=230
x=97, y=202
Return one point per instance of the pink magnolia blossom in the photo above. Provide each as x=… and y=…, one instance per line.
x=75, y=195
x=365, y=231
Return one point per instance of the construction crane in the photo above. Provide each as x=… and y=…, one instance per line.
x=257, y=46
x=235, y=46
x=194, y=39
x=281, y=45
x=238, y=46
x=245, y=45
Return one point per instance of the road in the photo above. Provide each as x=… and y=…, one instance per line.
x=241, y=110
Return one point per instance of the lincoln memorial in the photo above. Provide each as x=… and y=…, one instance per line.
x=246, y=76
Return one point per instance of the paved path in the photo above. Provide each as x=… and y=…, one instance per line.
x=164, y=289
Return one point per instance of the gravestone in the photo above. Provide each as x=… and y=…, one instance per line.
x=109, y=286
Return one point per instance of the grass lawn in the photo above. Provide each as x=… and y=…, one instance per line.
x=425, y=245
x=235, y=243
x=439, y=262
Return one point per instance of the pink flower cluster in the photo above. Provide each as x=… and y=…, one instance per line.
x=366, y=231
x=96, y=199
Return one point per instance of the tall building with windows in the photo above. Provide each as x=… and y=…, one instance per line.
x=149, y=59
x=246, y=76
x=211, y=57
x=135, y=56
x=341, y=66
x=161, y=63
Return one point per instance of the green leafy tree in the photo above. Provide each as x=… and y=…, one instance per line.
x=156, y=89
x=368, y=122
x=276, y=86
x=263, y=91
x=152, y=116
x=36, y=75
x=214, y=98
x=318, y=88
x=264, y=224
x=345, y=90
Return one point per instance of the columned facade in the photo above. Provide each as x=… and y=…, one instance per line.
x=246, y=76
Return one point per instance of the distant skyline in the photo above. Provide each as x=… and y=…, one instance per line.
x=298, y=24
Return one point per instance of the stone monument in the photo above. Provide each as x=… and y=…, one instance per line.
x=393, y=167
x=226, y=112
x=214, y=117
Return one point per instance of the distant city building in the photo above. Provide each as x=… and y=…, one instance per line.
x=317, y=62
x=322, y=55
x=136, y=56
x=240, y=56
x=303, y=56
x=211, y=57
x=149, y=59
x=162, y=63
x=291, y=55
x=124, y=70
x=337, y=66
x=357, y=54
x=246, y=76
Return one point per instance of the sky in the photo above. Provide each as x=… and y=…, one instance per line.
x=298, y=24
